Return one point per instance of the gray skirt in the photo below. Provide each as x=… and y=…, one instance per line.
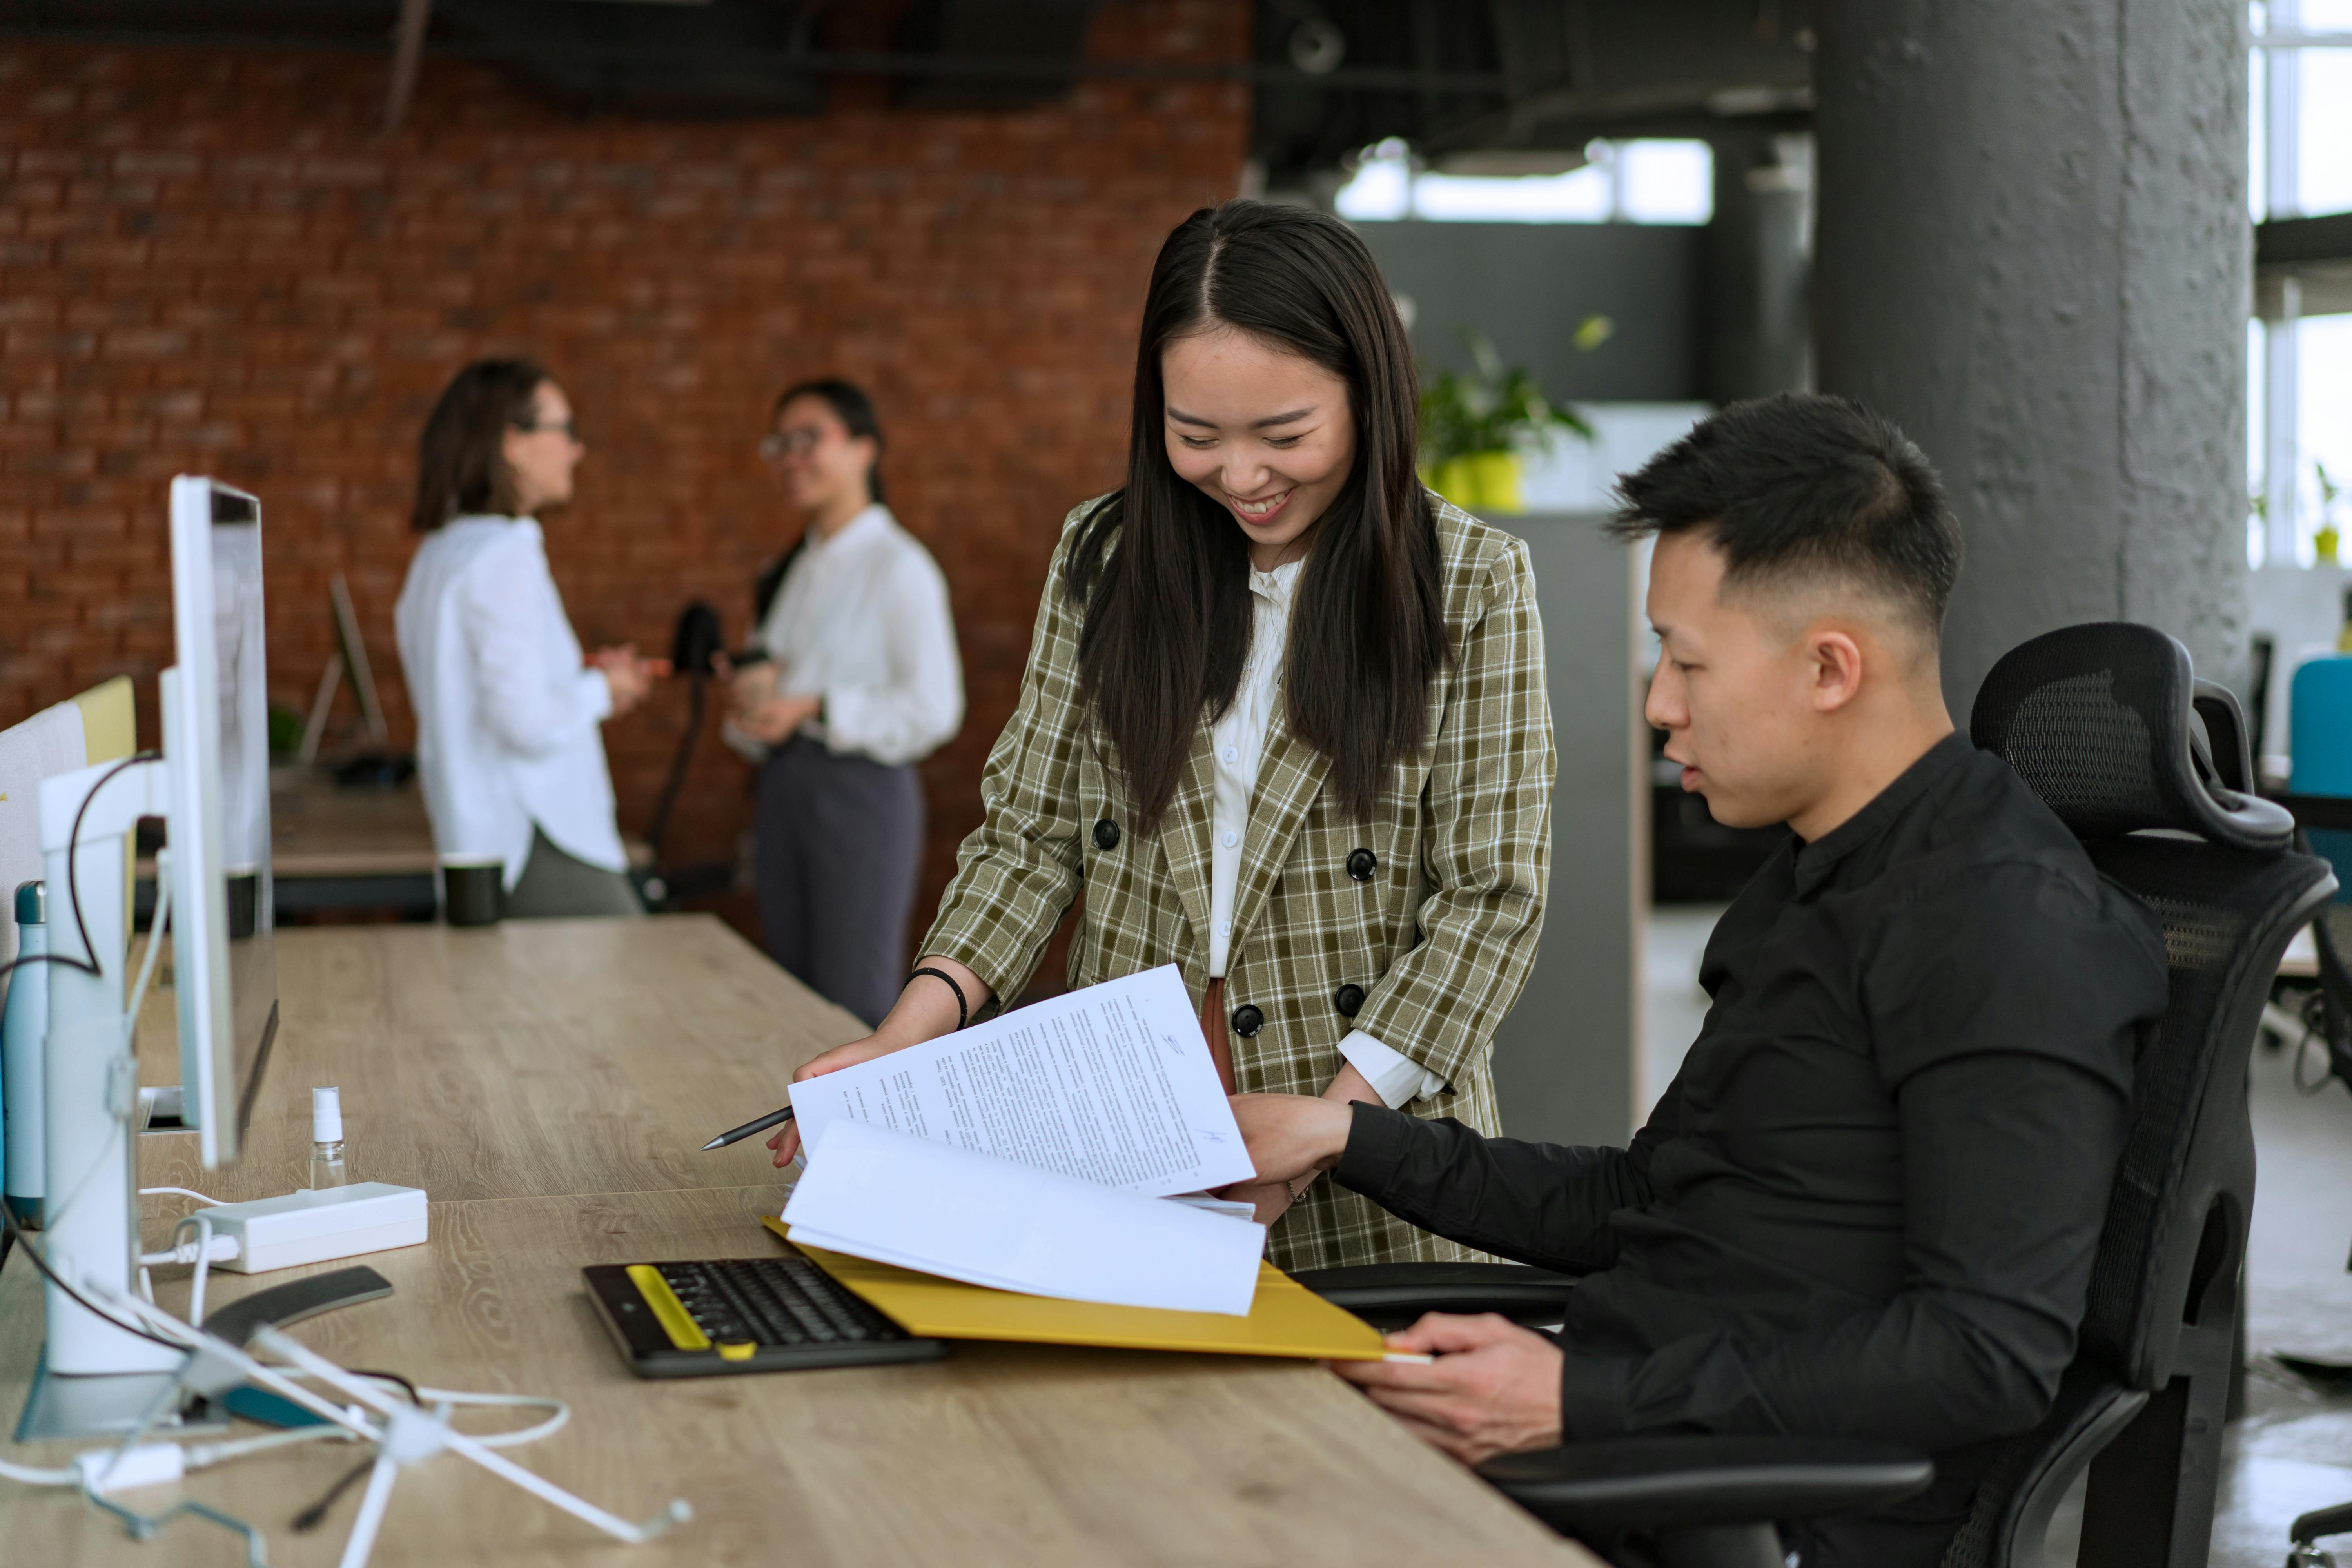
x=839, y=846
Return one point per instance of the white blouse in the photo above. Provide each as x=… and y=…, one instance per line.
x=507, y=715
x=1239, y=738
x=862, y=619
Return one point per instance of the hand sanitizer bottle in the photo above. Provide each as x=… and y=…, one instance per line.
x=327, y=1138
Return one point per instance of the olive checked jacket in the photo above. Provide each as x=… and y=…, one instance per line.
x=1438, y=932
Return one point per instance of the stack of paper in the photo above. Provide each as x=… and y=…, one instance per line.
x=1031, y=1154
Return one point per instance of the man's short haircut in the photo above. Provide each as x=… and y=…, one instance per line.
x=1804, y=488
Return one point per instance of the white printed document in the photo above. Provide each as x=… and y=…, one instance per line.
x=1111, y=1084
x=929, y=1206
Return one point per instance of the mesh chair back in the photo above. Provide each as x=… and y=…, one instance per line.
x=2228, y=915
x=2101, y=721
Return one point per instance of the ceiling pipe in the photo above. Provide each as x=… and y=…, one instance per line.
x=407, y=58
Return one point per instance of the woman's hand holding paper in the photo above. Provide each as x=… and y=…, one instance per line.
x=926, y=1010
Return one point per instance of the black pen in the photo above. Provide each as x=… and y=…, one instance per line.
x=750, y=1127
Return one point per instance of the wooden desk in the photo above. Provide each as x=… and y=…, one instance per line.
x=335, y=849
x=550, y=1084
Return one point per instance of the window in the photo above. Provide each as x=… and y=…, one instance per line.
x=1649, y=181
x=2299, y=394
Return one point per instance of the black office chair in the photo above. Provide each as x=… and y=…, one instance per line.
x=2149, y=767
x=2326, y=1007
x=2327, y=1014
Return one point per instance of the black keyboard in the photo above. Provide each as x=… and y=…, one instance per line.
x=750, y=1315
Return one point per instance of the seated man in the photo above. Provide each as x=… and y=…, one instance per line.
x=1868, y=1203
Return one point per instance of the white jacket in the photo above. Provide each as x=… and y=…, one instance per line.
x=507, y=714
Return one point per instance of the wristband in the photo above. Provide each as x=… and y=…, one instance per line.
x=963, y=1011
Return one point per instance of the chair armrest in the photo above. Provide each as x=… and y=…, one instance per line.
x=1637, y=1482
x=1393, y=1295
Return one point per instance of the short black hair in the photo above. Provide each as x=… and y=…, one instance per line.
x=1805, y=485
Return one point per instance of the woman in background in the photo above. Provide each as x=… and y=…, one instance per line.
x=508, y=743
x=860, y=680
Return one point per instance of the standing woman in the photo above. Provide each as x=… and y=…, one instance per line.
x=507, y=711
x=861, y=682
x=1283, y=722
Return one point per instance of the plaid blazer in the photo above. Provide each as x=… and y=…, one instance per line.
x=1440, y=938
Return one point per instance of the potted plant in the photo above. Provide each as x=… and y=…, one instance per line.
x=1476, y=427
x=2326, y=542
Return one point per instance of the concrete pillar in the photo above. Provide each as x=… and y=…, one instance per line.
x=2034, y=254
x=1756, y=259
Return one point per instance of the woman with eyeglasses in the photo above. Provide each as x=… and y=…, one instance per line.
x=1283, y=725
x=507, y=710
x=858, y=680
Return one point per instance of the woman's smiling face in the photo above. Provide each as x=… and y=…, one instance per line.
x=1264, y=433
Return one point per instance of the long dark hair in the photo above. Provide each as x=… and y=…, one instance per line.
x=461, y=465
x=1168, y=618
x=852, y=409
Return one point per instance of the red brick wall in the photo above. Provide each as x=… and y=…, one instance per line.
x=211, y=262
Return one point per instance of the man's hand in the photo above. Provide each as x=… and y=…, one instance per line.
x=1290, y=1135
x=1494, y=1388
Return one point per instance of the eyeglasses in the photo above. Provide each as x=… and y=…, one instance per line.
x=797, y=443
x=569, y=428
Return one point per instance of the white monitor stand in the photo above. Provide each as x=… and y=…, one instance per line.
x=95, y=1376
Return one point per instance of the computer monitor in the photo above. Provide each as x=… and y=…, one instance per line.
x=216, y=744
x=212, y=787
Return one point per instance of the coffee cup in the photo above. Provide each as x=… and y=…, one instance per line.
x=473, y=890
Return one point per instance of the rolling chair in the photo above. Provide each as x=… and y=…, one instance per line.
x=2108, y=725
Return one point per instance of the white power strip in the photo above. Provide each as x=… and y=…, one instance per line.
x=315, y=1225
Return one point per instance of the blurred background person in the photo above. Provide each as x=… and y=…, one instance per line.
x=507, y=710
x=858, y=680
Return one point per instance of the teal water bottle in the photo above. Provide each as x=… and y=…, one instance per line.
x=24, y=1037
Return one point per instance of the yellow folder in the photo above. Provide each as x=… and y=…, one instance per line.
x=1285, y=1320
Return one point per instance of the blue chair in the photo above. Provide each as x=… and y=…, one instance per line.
x=2319, y=702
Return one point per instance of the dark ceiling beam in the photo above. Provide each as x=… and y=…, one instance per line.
x=2282, y=244
x=812, y=62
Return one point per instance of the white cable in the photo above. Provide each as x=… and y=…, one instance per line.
x=223, y=1247
x=515, y=1439
x=33, y=1477
x=561, y=1412
x=204, y=1267
x=393, y=1428
x=205, y=1455
x=154, y=946
x=182, y=1192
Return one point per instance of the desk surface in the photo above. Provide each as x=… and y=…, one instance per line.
x=549, y=1084
x=318, y=830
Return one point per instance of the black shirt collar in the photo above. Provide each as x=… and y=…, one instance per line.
x=1817, y=859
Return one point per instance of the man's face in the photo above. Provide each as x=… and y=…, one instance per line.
x=1734, y=692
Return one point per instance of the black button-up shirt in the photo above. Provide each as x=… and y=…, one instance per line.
x=1868, y=1203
